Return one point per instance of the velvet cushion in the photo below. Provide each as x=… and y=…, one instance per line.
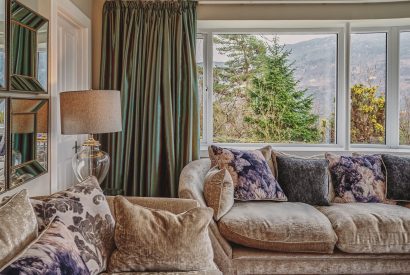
x=218, y=191
x=397, y=177
x=304, y=180
x=54, y=252
x=357, y=178
x=285, y=226
x=85, y=211
x=18, y=225
x=157, y=240
x=251, y=175
x=370, y=228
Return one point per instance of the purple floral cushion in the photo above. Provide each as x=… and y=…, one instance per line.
x=252, y=177
x=54, y=252
x=357, y=178
x=85, y=211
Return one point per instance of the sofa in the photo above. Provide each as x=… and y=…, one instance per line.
x=318, y=234
x=173, y=205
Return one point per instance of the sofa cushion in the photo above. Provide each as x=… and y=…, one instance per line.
x=398, y=177
x=251, y=175
x=18, y=226
x=84, y=209
x=304, y=180
x=357, y=178
x=370, y=228
x=285, y=226
x=218, y=191
x=54, y=252
x=157, y=240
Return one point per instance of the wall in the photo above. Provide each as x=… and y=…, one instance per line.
x=42, y=185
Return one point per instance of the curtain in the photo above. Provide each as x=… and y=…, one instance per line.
x=148, y=53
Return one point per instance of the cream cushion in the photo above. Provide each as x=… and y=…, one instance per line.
x=218, y=191
x=370, y=227
x=18, y=226
x=283, y=226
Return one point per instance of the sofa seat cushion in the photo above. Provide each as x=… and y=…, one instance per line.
x=284, y=226
x=370, y=227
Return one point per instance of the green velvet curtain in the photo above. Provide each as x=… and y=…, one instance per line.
x=148, y=53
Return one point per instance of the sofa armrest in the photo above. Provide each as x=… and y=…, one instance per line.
x=173, y=205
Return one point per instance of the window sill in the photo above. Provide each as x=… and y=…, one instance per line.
x=311, y=150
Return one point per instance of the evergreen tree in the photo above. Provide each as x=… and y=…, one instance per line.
x=280, y=111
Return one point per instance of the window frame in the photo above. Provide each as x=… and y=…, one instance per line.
x=343, y=106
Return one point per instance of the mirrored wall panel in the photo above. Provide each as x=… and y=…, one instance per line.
x=29, y=139
x=28, y=50
x=3, y=144
x=3, y=39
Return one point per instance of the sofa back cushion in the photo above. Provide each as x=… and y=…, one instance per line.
x=85, y=211
x=157, y=240
x=251, y=175
x=398, y=177
x=54, y=252
x=18, y=226
x=304, y=180
x=357, y=178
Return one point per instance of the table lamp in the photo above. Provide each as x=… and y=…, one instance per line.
x=90, y=112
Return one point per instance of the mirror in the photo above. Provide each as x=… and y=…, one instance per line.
x=3, y=144
x=3, y=39
x=29, y=139
x=28, y=50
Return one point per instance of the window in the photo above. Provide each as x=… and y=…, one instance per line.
x=288, y=88
x=201, y=84
x=404, y=88
x=368, y=59
x=273, y=88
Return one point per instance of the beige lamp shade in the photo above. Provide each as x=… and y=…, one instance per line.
x=90, y=112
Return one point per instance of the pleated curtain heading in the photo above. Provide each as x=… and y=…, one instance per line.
x=148, y=53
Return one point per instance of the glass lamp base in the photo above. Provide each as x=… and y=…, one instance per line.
x=91, y=161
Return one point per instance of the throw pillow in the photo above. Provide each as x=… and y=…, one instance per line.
x=54, y=252
x=357, y=178
x=251, y=175
x=158, y=240
x=85, y=211
x=398, y=177
x=218, y=191
x=304, y=180
x=18, y=226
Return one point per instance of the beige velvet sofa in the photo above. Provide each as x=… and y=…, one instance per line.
x=271, y=217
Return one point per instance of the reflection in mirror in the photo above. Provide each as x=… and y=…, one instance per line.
x=29, y=139
x=28, y=49
x=2, y=44
x=2, y=144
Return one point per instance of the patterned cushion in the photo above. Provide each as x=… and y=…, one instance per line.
x=158, y=240
x=85, y=211
x=398, y=177
x=357, y=178
x=251, y=175
x=18, y=226
x=304, y=180
x=54, y=252
x=218, y=191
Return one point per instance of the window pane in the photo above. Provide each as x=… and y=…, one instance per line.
x=368, y=87
x=274, y=88
x=405, y=88
x=200, y=74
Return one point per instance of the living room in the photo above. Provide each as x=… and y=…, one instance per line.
x=204, y=137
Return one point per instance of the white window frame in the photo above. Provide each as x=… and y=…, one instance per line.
x=392, y=136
